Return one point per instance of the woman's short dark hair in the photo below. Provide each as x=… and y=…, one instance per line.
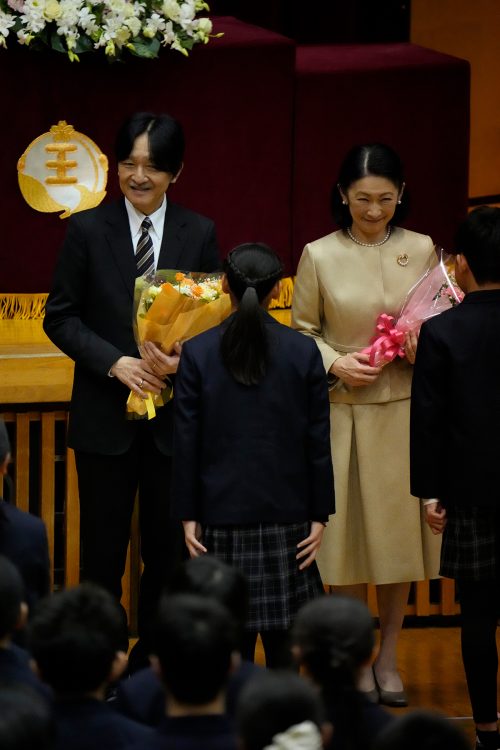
x=372, y=159
x=272, y=703
x=252, y=270
x=335, y=638
x=334, y=633
x=478, y=239
x=165, y=135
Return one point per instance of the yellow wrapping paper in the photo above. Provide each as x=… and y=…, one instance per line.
x=173, y=307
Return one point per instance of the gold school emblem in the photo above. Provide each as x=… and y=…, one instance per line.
x=62, y=170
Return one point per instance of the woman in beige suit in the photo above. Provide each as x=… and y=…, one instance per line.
x=344, y=281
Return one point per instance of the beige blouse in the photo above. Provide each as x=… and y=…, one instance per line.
x=340, y=290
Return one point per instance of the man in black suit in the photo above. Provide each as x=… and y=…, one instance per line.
x=455, y=450
x=23, y=538
x=89, y=316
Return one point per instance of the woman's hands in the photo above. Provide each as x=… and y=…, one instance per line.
x=354, y=369
x=192, y=536
x=309, y=547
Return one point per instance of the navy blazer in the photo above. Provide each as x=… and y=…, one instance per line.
x=142, y=696
x=15, y=670
x=88, y=315
x=252, y=454
x=205, y=732
x=23, y=540
x=90, y=724
x=455, y=412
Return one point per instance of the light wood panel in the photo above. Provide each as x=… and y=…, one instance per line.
x=469, y=30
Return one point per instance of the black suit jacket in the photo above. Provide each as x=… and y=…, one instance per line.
x=252, y=454
x=89, y=315
x=455, y=412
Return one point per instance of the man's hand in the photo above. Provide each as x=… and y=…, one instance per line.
x=137, y=375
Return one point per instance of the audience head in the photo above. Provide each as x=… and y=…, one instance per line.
x=333, y=638
x=253, y=272
x=421, y=730
x=75, y=637
x=4, y=447
x=478, y=241
x=165, y=138
x=210, y=577
x=195, y=641
x=369, y=160
x=279, y=703
x=26, y=722
x=13, y=610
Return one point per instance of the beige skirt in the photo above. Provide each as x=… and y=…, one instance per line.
x=377, y=534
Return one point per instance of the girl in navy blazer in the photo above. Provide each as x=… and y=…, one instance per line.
x=253, y=478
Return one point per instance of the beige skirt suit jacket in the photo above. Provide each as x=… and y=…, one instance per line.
x=377, y=534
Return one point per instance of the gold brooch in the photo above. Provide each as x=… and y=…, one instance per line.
x=402, y=259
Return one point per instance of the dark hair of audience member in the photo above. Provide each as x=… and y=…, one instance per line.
x=375, y=160
x=421, y=730
x=12, y=597
x=208, y=576
x=273, y=702
x=332, y=638
x=195, y=640
x=478, y=239
x=26, y=722
x=165, y=136
x=252, y=270
x=74, y=637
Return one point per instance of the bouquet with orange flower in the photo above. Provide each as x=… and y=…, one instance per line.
x=170, y=307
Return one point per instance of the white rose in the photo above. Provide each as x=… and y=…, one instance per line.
x=204, y=26
x=172, y=10
x=134, y=25
x=52, y=10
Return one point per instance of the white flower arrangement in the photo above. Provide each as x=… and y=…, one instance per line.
x=75, y=26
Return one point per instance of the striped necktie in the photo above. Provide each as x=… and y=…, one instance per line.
x=144, y=256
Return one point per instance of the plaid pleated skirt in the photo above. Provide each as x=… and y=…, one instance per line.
x=266, y=553
x=470, y=549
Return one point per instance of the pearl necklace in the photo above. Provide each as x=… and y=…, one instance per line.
x=370, y=244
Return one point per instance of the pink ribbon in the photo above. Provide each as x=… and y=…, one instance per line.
x=389, y=344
